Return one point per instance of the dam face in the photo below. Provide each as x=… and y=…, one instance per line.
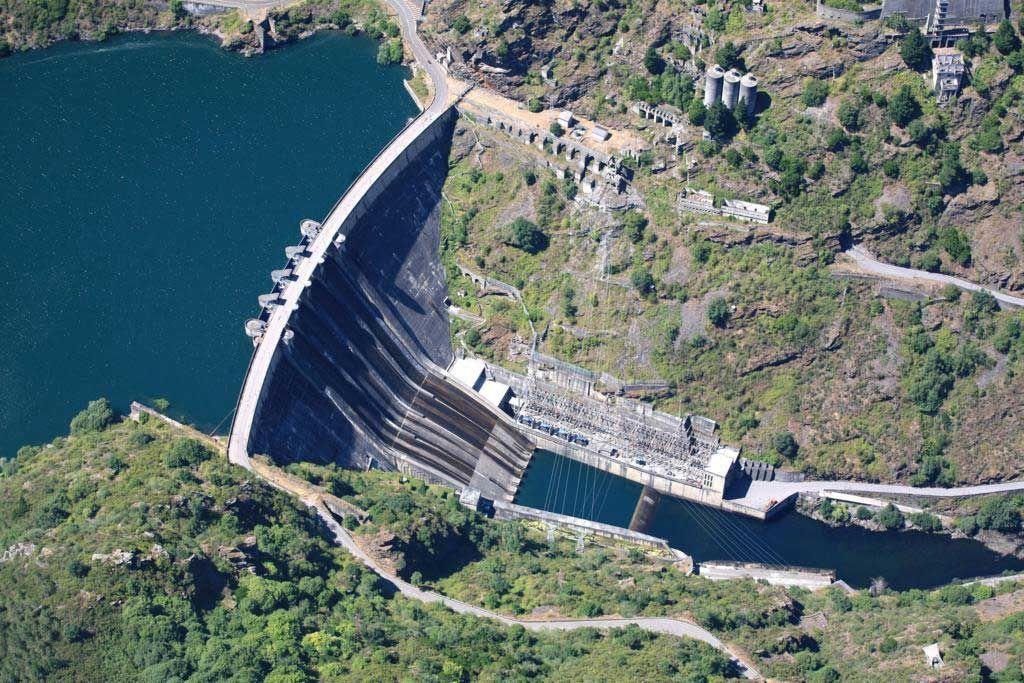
x=358, y=379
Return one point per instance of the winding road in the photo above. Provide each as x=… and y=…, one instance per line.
x=869, y=265
x=664, y=625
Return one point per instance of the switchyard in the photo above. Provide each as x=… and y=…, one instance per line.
x=558, y=407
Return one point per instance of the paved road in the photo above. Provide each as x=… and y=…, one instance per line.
x=869, y=264
x=310, y=496
x=781, y=489
x=674, y=627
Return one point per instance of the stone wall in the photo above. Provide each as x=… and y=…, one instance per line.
x=775, y=575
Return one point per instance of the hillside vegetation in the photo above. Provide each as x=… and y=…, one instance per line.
x=748, y=324
x=512, y=567
x=128, y=552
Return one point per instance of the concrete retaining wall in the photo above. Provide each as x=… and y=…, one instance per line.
x=504, y=510
x=356, y=376
x=778, y=576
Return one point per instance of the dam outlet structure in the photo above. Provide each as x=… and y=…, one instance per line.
x=353, y=342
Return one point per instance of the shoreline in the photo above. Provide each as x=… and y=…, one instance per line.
x=222, y=40
x=998, y=542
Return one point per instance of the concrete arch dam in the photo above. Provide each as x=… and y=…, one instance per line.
x=350, y=361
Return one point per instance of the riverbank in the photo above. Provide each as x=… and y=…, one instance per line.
x=907, y=559
x=133, y=165
x=247, y=32
x=866, y=516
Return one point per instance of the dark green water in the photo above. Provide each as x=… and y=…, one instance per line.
x=148, y=186
x=906, y=559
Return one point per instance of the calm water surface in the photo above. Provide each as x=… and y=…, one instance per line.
x=907, y=559
x=148, y=186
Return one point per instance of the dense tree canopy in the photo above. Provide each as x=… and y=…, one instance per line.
x=915, y=50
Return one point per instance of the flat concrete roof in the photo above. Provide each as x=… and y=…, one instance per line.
x=722, y=460
x=495, y=393
x=468, y=371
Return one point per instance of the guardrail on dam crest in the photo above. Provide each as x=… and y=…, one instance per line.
x=352, y=343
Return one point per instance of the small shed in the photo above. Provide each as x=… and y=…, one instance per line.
x=600, y=133
x=566, y=119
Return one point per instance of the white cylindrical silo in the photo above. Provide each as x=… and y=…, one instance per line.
x=748, y=93
x=731, y=88
x=713, y=85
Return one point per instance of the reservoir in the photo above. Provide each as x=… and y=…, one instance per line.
x=906, y=559
x=149, y=186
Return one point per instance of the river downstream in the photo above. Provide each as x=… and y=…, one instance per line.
x=149, y=186
x=906, y=559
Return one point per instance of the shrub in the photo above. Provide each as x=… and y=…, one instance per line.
x=888, y=645
x=720, y=122
x=785, y=444
x=701, y=251
x=556, y=129
x=1005, y=38
x=815, y=92
x=1000, y=514
x=957, y=245
x=718, y=312
x=461, y=24
x=696, y=111
x=139, y=438
x=930, y=261
x=849, y=115
x=633, y=226
x=889, y=517
x=642, y=280
x=968, y=525
x=178, y=10
x=653, y=61
x=390, y=52
x=186, y=452
x=836, y=140
x=926, y=521
x=97, y=416
x=903, y=107
x=534, y=105
x=864, y=513
x=524, y=234
x=728, y=56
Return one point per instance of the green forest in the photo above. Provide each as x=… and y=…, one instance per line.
x=133, y=553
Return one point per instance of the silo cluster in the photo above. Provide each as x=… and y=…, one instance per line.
x=731, y=88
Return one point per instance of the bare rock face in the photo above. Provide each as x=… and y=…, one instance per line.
x=116, y=558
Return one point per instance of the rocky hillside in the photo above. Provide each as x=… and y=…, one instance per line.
x=748, y=323
x=748, y=326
